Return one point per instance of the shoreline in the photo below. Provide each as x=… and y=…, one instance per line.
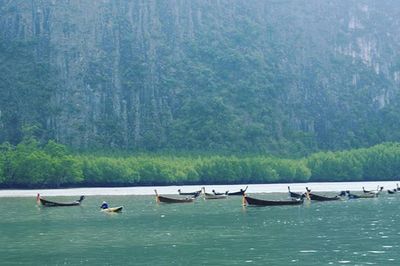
x=149, y=190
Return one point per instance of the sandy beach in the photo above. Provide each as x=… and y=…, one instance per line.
x=253, y=188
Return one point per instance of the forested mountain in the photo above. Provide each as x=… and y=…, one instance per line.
x=279, y=76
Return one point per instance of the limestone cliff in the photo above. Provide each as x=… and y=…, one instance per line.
x=201, y=75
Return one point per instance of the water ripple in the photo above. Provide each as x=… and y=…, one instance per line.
x=377, y=252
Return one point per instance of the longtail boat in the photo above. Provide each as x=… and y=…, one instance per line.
x=211, y=196
x=362, y=196
x=198, y=192
x=113, y=209
x=366, y=191
x=164, y=199
x=220, y=193
x=48, y=203
x=294, y=194
x=316, y=197
x=238, y=193
x=377, y=191
x=322, y=198
x=259, y=202
x=393, y=191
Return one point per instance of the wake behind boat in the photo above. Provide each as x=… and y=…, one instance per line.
x=48, y=203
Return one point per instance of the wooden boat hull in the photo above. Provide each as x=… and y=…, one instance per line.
x=190, y=193
x=220, y=193
x=213, y=196
x=238, y=193
x=164, y=199
x=48, y=203
x=364, y=196
x=113, y=209
x=259, y=202
x=374, y=192
x=322, y=198
x=295, y=195
x=209, y=196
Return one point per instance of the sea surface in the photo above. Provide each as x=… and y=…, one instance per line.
x=206, y=232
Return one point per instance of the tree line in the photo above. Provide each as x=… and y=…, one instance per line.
x=31, y=164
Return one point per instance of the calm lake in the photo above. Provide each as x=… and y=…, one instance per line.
x=219, y=232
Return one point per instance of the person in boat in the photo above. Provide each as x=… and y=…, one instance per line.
x=104, y=205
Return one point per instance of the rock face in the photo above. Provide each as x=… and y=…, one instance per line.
x=201, y=75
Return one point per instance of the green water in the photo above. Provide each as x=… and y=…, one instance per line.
x=220, y=232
